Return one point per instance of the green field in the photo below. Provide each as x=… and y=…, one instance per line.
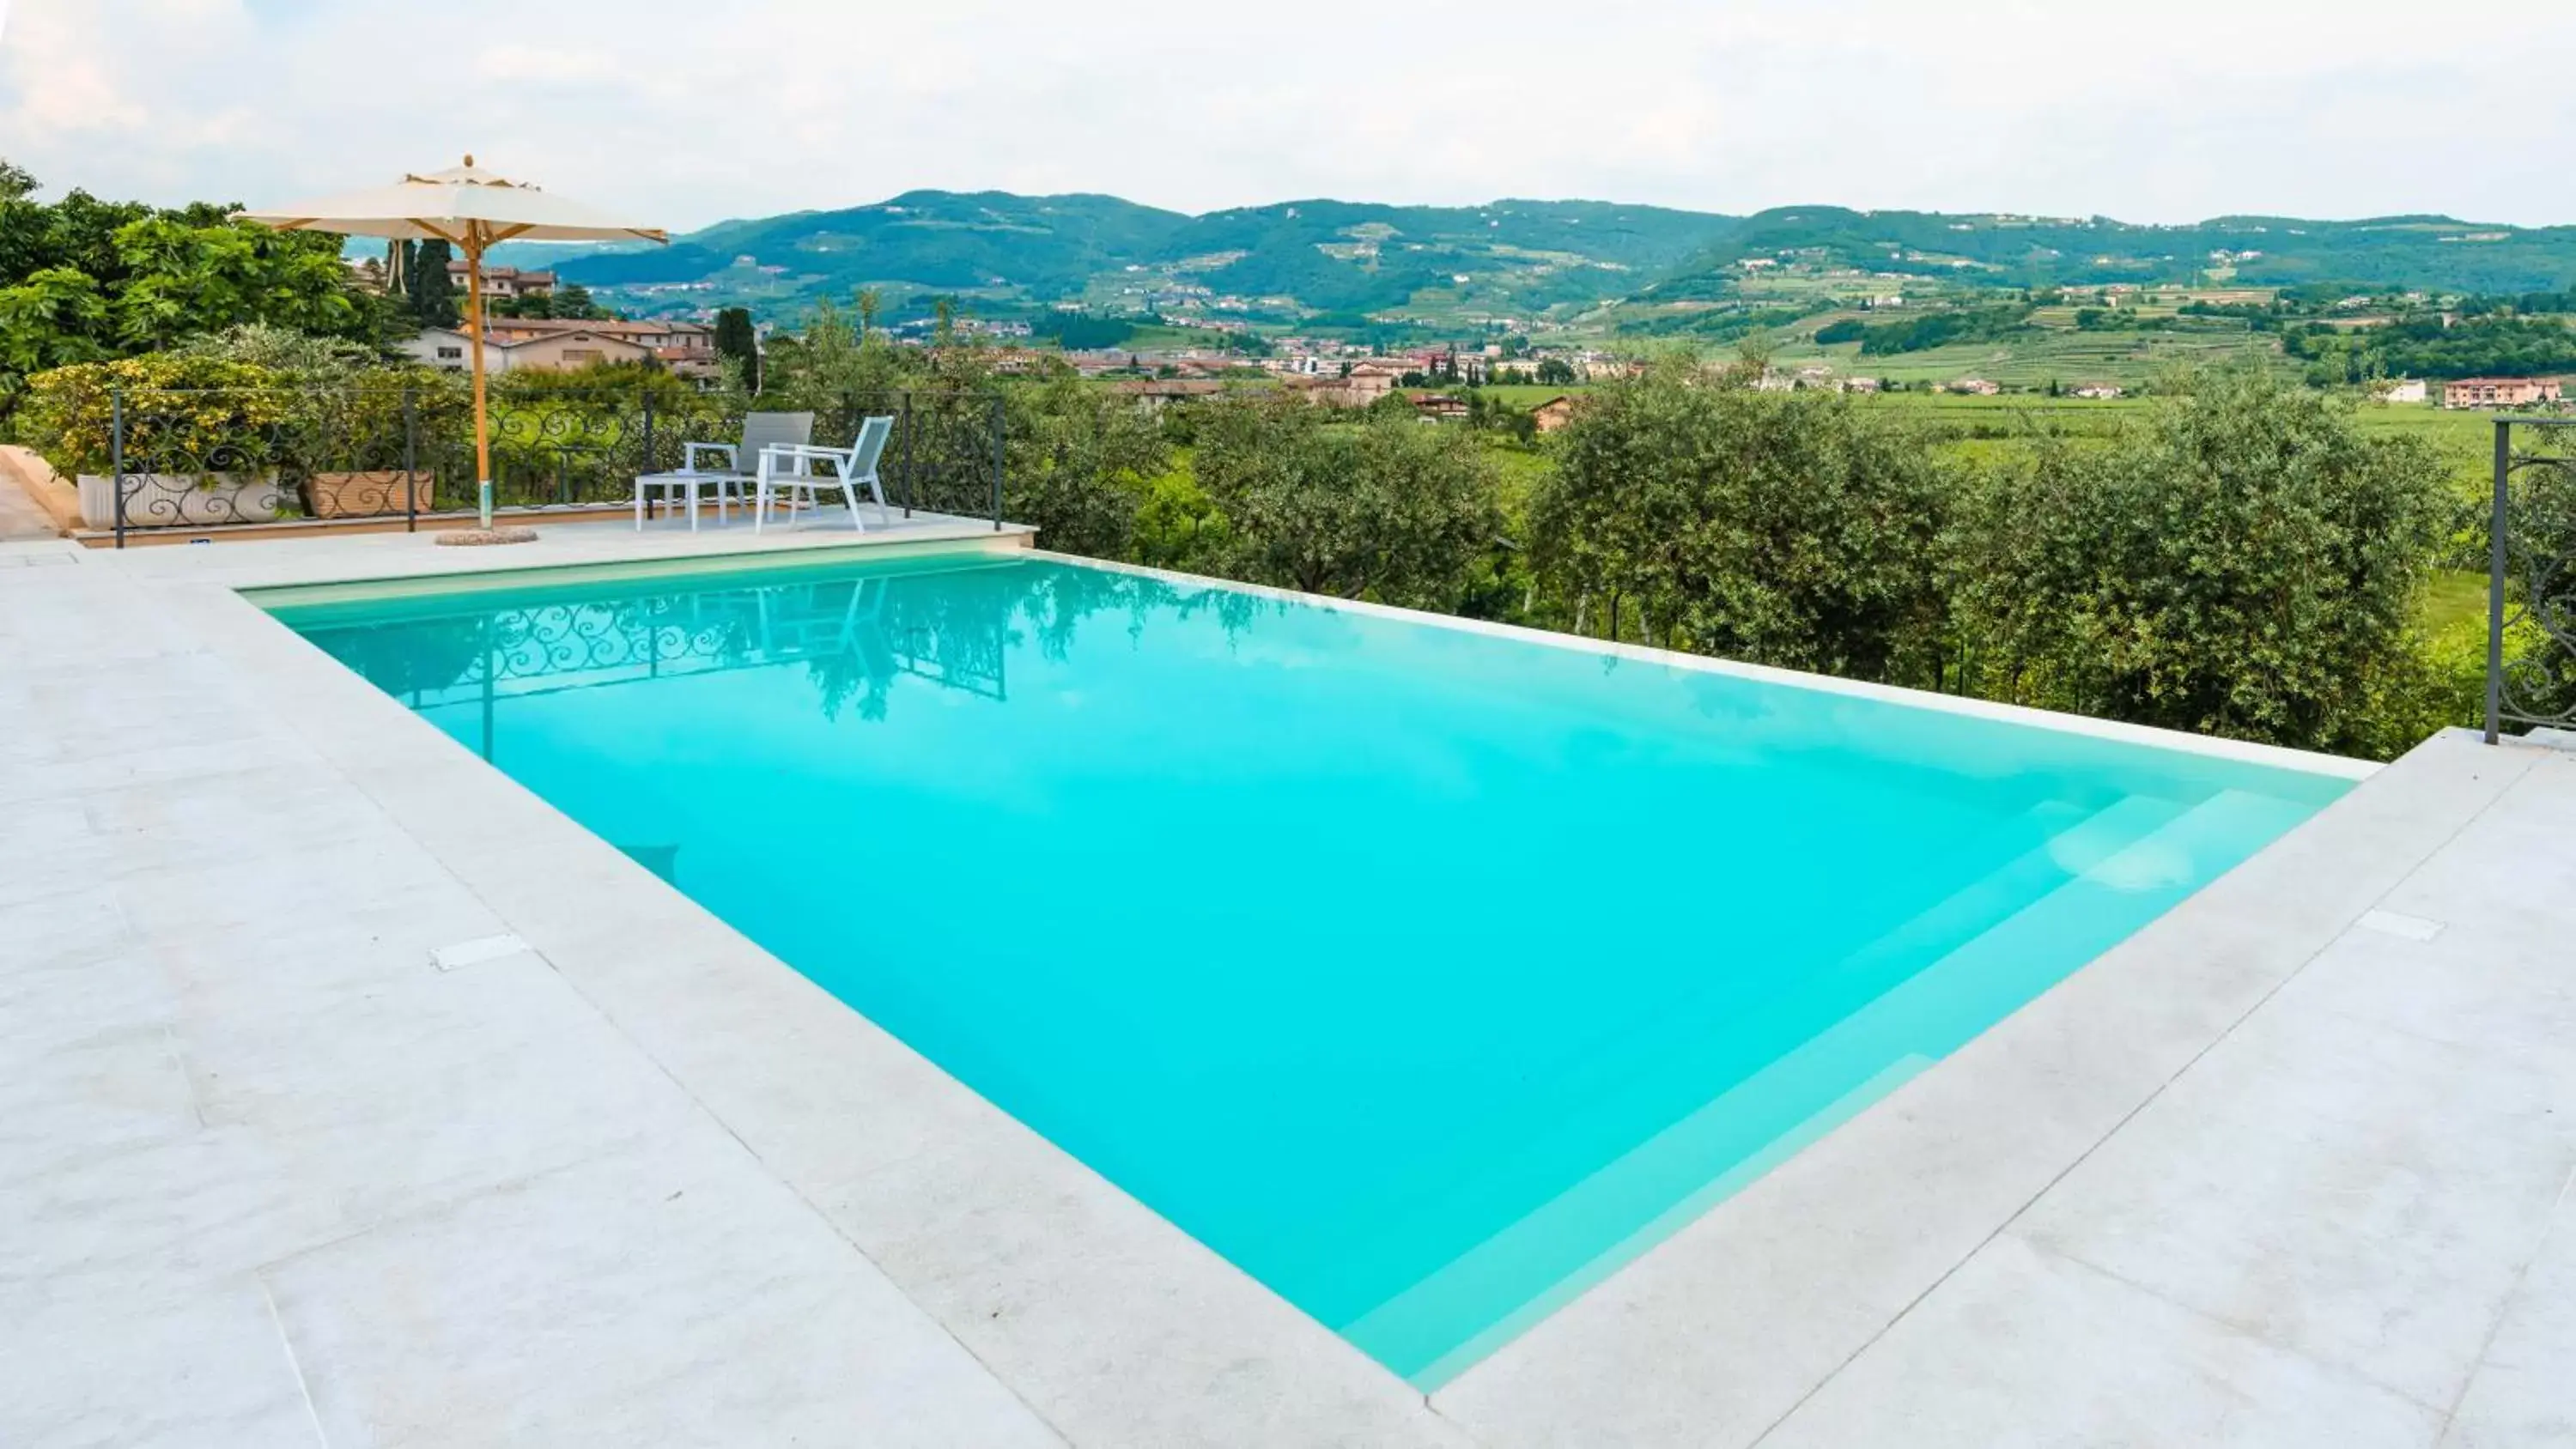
x=2068, y=358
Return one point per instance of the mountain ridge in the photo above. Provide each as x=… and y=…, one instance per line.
x=1521, y=257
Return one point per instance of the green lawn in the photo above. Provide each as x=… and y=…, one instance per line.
x=2456, y=600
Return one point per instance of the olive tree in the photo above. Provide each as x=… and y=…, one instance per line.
x=1078, y=465
x=1388, y=508
x=2246, y=563
x=1792, y=529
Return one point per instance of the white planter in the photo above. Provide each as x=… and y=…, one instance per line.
x=180, y=500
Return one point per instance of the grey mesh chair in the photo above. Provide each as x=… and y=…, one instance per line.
x=760, y=432
x=787, y=469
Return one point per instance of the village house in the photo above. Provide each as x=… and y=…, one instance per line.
x=2499, y=392
x=1439, y=406
x=553, y=352
x=1974, y=387
x=504, y=284
x=687, y=348
x=1153, y=394
x=2410, y=390
x=1554, y=413
x=550, y=345
x=1365, y=383
x=2104, y=391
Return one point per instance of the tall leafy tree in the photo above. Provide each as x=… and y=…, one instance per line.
x=23, y=223
x=54, y=317
x=184, y=280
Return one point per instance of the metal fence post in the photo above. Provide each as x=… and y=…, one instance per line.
x=907, y=454
x=2498, y=522
x=116, y=458
x=997, y=463
x=648, y=431
x=411, y=460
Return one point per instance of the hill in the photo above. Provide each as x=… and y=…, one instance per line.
x=1045, y=246
x=2433, y=253
x=1318, y=255
x=1515, y=261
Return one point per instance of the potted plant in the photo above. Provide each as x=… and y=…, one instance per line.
x=345, y=440
x=200, y=438
x=356, y=436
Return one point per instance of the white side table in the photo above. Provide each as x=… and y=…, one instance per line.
x=727, y=486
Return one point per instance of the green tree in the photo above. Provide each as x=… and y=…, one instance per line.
x=830, y=369
x=2245, y=564
x=82, y=279
x=23, y=223
x=53, y=318
x=1791, y=529
x=737, y=342
x=1388, y=509
x=1078, y=464
x=183, y=280
x=538, y=305
x=433, y=292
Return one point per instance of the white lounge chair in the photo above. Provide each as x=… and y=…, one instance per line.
x=787, y=470
x=760, y=431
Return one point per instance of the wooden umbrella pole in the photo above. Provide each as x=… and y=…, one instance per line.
x=474, y=238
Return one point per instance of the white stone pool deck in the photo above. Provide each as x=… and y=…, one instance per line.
x=2288, y=1167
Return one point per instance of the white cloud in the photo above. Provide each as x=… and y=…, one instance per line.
x=690, y=112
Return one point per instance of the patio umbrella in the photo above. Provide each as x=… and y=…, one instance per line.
x=469, y=209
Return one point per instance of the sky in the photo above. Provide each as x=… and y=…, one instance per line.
x=681, y=114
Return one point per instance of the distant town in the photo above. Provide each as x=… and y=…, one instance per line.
x=1327, y=371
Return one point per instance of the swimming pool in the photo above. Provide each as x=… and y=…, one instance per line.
x=1426, y=973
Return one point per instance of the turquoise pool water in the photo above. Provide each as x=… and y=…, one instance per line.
x=1424, y=974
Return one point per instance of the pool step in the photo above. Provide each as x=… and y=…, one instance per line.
x=2121, y=880
x=1671, y=1061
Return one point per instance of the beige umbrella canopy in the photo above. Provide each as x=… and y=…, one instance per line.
x=469, y=209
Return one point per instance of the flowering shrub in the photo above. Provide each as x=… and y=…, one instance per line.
x=181, y=415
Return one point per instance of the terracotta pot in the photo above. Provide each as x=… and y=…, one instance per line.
x=369, y=494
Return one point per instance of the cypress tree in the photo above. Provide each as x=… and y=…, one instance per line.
x=735, y=339
x=433, y=296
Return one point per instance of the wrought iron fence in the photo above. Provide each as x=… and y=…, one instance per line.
x=2531, y=577
x=210, y=458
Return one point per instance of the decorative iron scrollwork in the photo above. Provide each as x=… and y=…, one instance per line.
x=212, y=458
x=2531, y=675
